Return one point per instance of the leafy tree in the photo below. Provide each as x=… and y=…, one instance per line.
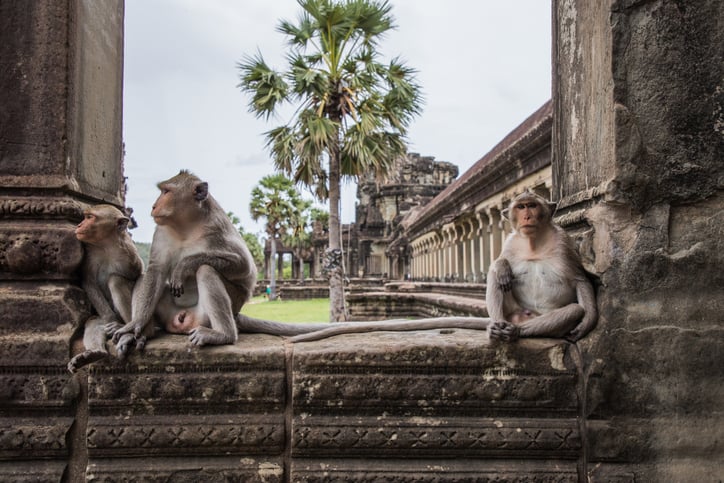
x=352, y=109
x=252, y=241
x=276, y=200
x=298, y=238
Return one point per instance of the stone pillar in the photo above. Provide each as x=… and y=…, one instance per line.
x=483, y=231
x=638, y=142
x=496, y=234
x=61, y=69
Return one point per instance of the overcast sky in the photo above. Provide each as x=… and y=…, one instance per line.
x=484, y=66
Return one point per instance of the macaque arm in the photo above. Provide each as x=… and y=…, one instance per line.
x=556, y=323
x=98, y=300
x=503, y=274
x=587, y=300
x=227, y=264
x=121, y=292
x=146, y=295
x=497, y=298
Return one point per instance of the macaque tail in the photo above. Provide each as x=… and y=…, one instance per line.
x=338, y=328
x=251, y=325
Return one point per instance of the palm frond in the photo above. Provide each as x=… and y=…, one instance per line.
x=266, y=86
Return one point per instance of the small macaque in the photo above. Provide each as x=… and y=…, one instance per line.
x=111, y=266
x=537, y=287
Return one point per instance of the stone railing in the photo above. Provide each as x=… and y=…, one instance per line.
x=417, y=299
x=418, y=406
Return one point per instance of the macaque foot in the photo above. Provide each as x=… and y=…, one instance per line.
x=85, y=358
x=125, y=344
x=504, y=331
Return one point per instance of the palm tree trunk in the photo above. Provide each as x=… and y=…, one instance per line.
x=336, y=271
x=301, y=264
x=273, y=282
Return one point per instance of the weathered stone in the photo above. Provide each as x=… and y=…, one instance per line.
x=640, y=156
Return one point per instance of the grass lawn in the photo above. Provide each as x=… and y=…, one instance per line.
x=313, y=310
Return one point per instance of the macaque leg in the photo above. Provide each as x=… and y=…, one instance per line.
x=94, y=341
x=520, y=316
x=214, y=304
x=556, y=323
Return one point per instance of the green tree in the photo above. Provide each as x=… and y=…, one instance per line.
x=275, y=200
x=352, y=109
x=298, y=238
x=252, y=241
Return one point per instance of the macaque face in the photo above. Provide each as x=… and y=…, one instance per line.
x=100, y=224
x=162, y=207
x=84, y=230
x=528, y=215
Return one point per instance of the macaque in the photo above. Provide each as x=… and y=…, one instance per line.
x=200, y=271
x=111, y=266
x=537, y=287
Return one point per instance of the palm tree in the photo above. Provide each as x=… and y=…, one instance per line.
x=352, y=110
x=274, y=199
x=298, y=237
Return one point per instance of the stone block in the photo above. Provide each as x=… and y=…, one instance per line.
x=431, y=395
x=197, y=414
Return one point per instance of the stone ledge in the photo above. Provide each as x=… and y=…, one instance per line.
x=424, y=398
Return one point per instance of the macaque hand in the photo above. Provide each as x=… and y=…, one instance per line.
x=582, y=329
x=198, y=336
x=504, y=275
x=111, y=326
x=504, y=331
x=131, y=327
x=176, y=282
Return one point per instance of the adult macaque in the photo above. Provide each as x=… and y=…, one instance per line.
x=111, y=266
x=200, y=271
x=537, y=287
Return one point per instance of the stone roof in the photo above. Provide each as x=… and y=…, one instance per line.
x=524, y=150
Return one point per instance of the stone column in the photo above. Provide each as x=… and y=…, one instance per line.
x=483, y=233
x=638, y=143
x=61, y=69
x=496, y=234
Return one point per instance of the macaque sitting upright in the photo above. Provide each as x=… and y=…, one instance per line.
x=111, y=266
x=537, y=286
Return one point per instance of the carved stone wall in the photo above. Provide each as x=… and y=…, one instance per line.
x=60, y=147
x=429, y=406
x=638, y=149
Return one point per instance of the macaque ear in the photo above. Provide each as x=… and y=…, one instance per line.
x=201, y=191
x=506, y=213
x=122, y=223
x=552, y=206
